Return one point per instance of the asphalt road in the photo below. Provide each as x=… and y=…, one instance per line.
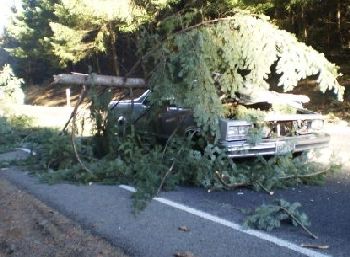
x=106, y=210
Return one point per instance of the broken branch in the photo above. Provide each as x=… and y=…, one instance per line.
x=99, y=80
x=323, y=172
x=74, y=112
x=232, y=186
x=165, y=176
x=299, y=223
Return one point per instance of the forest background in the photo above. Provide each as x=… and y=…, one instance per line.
x=45, y=37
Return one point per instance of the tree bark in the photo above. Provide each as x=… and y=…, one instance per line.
x=97, y=64
x=113, y=40
x=98, y=80
x=304, y=24
x=339, y=20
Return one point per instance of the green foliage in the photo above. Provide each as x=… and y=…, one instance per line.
x=13, y=131
x=103, y=171
x=57, y=152
x=268, y=217
x=85, y=28
x=249, y=114
x=267, y=175
x=52, y=150
x=21, y=122
x=195, y=65
x=151, y=168
x=103, y=122
x=7, y=135
x=10, y=86
x=24, y=39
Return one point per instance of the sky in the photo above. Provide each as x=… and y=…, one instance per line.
x=5, y=11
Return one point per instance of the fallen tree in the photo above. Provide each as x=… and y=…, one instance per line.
x=194, y=66
x=98, y=80
x=199, y=61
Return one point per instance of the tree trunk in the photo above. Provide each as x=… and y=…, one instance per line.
x=304, y=24
x=98, y=64
x=98, y=80
x=339, y=17
x=115, y=62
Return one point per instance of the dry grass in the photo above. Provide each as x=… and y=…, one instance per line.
x=30, y=228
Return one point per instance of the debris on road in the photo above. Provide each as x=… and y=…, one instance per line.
x=184, y=254
x=184, y=228
x=313, y=246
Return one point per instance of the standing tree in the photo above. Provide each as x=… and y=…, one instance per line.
x=24, y=39
x=87, y=28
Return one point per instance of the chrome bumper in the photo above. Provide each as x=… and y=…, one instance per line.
x=277, y=146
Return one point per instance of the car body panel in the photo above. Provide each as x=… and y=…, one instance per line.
x=277, y=146
x=171, y=119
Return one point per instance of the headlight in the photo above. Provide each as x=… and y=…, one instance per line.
x=317, y=124
x=234, y=129
x=237, y=132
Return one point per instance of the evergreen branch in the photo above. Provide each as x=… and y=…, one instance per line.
x=169, y=140
x=299, y=222
x=76, y=152
x=73, y=136
x=305, y=175
x=264, y=188
x=73, y=118
x=203, y=23
x=165, y=177
x=232, y=185
x=238, y=185
x=74, y=112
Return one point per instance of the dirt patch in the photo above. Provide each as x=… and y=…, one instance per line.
x=50, y=95
x=55, y=96
x=30, y=228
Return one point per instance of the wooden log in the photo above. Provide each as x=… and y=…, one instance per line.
x=98, y=80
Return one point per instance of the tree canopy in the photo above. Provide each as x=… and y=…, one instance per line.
x=181, y=42
x=196, y=64
x=85, y=28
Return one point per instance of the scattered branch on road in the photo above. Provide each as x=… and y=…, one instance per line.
x=184, y=254
x=298, y=176
x=269, y=217
x=184, y=228
x=298, y=221
x=230, y=186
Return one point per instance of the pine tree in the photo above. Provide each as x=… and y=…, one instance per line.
x=24, y=39
x=85, y=28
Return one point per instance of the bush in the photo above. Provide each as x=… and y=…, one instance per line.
x=13, y=130
x=10, y=86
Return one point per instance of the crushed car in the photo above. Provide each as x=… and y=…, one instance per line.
x=279, y=133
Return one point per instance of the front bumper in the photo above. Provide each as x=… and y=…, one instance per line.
x=277, y=146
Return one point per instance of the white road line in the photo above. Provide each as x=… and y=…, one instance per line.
x=234, y=226
x=26, y=150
